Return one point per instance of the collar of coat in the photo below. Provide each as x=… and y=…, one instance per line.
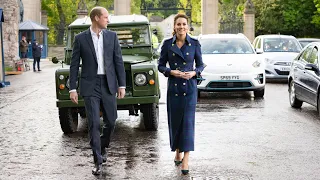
x=174, y=38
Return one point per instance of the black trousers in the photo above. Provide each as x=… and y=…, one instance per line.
x=101, y=97
x=36, y=60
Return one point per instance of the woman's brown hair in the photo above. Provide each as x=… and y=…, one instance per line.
x=175, y=20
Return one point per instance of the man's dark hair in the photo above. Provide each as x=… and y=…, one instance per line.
x=96, y=11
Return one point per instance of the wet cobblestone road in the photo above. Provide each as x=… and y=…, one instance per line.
x=237, y=137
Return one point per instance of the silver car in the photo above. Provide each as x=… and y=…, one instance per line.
x=278, y=52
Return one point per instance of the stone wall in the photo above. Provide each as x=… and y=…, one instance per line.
x=32, y=10
x=10, y=30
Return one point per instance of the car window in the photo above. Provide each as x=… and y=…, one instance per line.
x=255, y=42
x=259, y=44
x=313, y=57
x=281, y=45
x=304, y=43
x=225, y=46
x=304, y=56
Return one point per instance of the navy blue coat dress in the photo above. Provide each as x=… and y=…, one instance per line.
x=181, y=93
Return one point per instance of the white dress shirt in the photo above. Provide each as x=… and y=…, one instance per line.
x=98, y=47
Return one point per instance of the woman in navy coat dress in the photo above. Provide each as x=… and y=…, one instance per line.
x=183, y=54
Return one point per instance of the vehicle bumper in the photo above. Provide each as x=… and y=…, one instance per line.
x=277, y=72
x=246, y=82
x=120, y=102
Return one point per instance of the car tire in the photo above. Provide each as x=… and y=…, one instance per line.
x=150, y=114
x=68, y=120
x=294, y=102
x=199, y=94
x=259, y=93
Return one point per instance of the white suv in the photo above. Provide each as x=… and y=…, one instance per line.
x=232, y=64
x=278, y=51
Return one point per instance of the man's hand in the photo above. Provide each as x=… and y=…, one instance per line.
x=121, y=93
x=188, y=75
x=74, y=97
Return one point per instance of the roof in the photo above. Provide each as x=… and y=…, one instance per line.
x=114, y=20
x=309, y=39
x=206, y=36
x=1, y=16
x=30, y=25
x=276, y=36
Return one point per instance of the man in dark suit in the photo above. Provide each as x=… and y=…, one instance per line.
x=102, y=76
x=36, y=53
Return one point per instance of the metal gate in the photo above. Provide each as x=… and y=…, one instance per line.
x=231, y=27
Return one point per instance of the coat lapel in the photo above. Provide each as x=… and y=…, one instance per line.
x=89, y=39
x=106, y=45
x=175, y=49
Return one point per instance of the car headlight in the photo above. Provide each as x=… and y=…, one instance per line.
x=61, y=77
x=256, y=64
x=267, y=60
x=140, y=79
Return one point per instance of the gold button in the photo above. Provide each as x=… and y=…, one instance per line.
x=173, y=54
x=184, y=84
x=184, y=94
x=187, y=54
x=176, y=94
x=175, y=64
x=189, y=44
x=172, y=44
x=175, y=84
x=184, y=63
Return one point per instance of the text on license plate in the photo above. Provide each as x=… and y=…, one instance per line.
x=285, y=69
x=229, y=77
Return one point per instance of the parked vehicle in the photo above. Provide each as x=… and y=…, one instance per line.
x=232, y=65
x=304, y=77
x=278, y=51
x=142, y=84
x=306, y=41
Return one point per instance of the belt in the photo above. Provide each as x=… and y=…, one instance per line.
x=101, y=76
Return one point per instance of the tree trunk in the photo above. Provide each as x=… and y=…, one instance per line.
x=60, y=28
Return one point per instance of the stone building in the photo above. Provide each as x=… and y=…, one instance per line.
x=10, y=30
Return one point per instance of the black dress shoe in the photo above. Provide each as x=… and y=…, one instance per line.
x=104, y=155
x=97, y=169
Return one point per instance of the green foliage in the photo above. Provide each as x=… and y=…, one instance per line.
x=294, y=17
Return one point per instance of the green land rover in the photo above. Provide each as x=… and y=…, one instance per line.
x=142, y=83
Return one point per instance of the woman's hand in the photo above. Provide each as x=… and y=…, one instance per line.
x=188, y=75
x=177, y=73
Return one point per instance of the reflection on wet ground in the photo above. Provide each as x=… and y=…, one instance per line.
x=237, y=137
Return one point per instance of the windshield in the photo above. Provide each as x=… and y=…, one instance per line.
x=130, y=36
x=281, y=45
x=225, y=46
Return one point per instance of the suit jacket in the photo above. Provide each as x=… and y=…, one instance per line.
x=36, y=50
x=113, y=64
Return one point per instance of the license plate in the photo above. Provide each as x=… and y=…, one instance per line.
x=285, y=69
x=229, y=77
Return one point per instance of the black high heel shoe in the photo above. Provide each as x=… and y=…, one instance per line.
x=177, y=163
x=185, y=171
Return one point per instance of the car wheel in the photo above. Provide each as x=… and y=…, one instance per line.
x=294, y=102
x=68, y=120
x=258, y=93
x=199, y=93
x=150, y=114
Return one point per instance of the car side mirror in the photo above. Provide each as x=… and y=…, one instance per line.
x=311, y=67
x=55, y=60
x=259, y=51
